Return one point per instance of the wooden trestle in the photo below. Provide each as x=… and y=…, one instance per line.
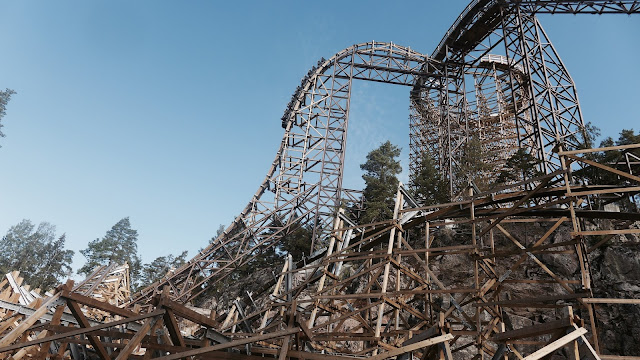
x=449, y=281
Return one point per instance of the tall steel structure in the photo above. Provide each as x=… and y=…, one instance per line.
x=495, y=77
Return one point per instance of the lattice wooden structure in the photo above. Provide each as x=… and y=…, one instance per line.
x=387, y=289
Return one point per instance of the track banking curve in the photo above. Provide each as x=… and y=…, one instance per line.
x=495, y=76
x=303, y=186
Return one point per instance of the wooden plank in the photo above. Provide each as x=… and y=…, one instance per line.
x=190, y=315
x=55, y=320
x=82, y=331
x=137, y=338
x=230, y=344
x=83, y=322
x=607, y=191
x=610, y=148
x=174, y=330
x=517, y=204
x=604, y=167
x=317, y=356
x=412, y=347
x=610, y=301
x=534, y=300
x=556, y=344
x=606, y=232
x=530, y=331
x=18, y=330
x=431, y=332
x=94, y=303
x=396, y=293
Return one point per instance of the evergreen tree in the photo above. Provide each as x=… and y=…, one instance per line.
x=159, y=267
x=381, y=170
x=628, y=137
x=219, y=232
x=428, y=185
x=594, y=175
x=589, y=135
x=5, y=96
x=297, y=243
x=119, y=245
x=41, y=258
x=472, y=166
x=520, y=166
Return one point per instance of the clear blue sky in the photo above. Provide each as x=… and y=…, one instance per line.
x=169, y=111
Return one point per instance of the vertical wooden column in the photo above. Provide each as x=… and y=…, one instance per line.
x=396, y=312
x=476, y=277
x=275, y=292
x=387, y=266
x=580, y=250
x=332, y=242
x=427, y=245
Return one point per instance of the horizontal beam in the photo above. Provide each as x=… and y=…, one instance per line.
x=230, y=344
x=610, y=301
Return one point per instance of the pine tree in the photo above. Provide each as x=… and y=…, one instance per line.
x=41, y=258
x=428, y=185
x=5, y=96
x=594, y=175
x=473, y=166
x=297, y=243
x=520, y=166
x=381, y=170
x=159, y=267
x=119, y=245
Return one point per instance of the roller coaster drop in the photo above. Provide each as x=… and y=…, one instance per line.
x=521, y=96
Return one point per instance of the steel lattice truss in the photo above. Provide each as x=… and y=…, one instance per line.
x=495, y=77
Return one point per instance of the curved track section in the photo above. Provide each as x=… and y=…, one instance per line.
x=495, y=77
x=532, y=91
x=303, y=186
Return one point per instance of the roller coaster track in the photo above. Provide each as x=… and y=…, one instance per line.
x=521, y=96
x=304, y=184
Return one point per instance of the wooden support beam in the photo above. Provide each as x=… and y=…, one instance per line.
x=84, y=323
x=44, y=348
x=82, y=331
x=536, y=300
x=185, y=312
x=94, y=303
x=137, y=338
x=610, y=301
x=628, y=189
x=18, y=330
x=230, y=344
x=610, y=148
x=172, y=326
x=606, y=232
x=604, y=167
x=412, y=347
x=556, y=344
x=531, y=331
x=317, y=356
